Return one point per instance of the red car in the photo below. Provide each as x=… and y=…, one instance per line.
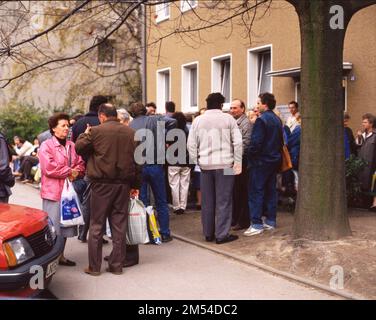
x=28, y=246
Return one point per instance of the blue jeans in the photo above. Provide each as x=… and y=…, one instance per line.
x=154, y=176
x=263, y=194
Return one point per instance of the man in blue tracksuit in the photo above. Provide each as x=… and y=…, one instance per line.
x=264, y=160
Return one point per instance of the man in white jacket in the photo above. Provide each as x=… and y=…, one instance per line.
x=21, y=148
x=215, y=144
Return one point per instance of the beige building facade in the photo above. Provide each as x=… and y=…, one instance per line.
x=241, y=63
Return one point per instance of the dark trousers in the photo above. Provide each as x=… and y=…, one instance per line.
x=110, y=201
x=153, y=175
x=263, y=194
x=27, y=163
x=216, y=203
x=240, y=211
x=85, y=206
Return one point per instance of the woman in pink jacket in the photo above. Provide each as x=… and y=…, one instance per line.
x=58, y=161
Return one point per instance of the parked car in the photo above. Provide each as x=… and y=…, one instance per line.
x=28, y=242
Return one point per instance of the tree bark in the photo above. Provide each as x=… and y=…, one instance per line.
x=321, y=212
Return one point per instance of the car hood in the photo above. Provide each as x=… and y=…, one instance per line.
x=19, y=220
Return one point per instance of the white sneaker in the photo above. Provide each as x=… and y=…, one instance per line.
x=252, y=231
x=268, y=227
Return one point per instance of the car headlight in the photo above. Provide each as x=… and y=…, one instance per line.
x=52, y=229
x=17, y=251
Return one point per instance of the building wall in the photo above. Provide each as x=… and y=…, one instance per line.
x=280, y=28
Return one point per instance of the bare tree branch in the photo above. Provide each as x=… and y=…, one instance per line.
x=47, y=30
x=96, y=44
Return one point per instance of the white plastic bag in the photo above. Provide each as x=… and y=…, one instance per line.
x=137, y=232
x=70, y=210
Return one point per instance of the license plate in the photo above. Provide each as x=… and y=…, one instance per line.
x=51, y=268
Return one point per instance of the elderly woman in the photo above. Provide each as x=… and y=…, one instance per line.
x=123, y=116
x=58, y=161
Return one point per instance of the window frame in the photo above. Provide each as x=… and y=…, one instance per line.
x=216, y=85
x=104, y=63
x=158, y=8
x=159, y=97
x=186, y=6
x=252, y=75
x=186, y=94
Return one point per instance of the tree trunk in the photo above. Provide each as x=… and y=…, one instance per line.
x=321, y=212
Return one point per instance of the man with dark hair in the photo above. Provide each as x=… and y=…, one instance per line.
x=152, y=171
x=170, y=108
x=111, y=183
x=264, y=160
x=90, y=119
x=215, y=144
x=291, y=121
x=151, y=108
x=240, y=211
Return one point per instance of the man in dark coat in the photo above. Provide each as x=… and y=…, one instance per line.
x=264, y=160
x=240, y=210
x=366, y=141
x=6, y=177
x=91, y=119
x=113, y=174
x=152, y=171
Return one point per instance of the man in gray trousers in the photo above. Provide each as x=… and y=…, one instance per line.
x=215, y=143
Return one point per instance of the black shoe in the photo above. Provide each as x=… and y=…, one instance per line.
x=209, y=239
x=179, y=211
x=130, y=264
x=67, y=263
x=229, y=238
x=166, y=238
x=105, y=241
x=82, y=239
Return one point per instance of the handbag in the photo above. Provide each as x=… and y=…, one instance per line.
x=286, y=163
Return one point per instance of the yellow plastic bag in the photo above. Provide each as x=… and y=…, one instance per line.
x=154, y=235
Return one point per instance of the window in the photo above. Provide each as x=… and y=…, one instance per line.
x=162, y=12
x=163, y=88
x=221, y=77
x=259, y=63
x=106, y=53
x=186, y=5
x=264, y=82
x=189, y=93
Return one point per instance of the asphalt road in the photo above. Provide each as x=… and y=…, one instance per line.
x=172, y=271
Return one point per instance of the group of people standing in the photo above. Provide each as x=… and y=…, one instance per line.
x=238, y=157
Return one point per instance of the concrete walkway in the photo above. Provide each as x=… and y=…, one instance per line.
x=172, y=271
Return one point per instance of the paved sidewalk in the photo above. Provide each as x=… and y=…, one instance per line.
x=173, y=271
